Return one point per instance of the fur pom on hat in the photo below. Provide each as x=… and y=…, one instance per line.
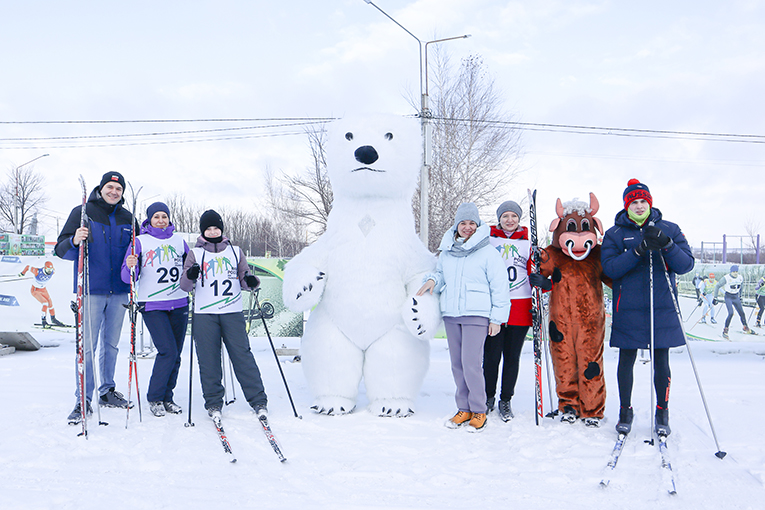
x=636, y=190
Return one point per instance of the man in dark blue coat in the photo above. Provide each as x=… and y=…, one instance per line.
x=109, y=233
x=639, y=233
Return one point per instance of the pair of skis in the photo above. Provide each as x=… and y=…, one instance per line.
x=668, y=476
x=266, y=430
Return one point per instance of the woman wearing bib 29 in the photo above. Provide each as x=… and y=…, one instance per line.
x=158, y=260
x=218, y=272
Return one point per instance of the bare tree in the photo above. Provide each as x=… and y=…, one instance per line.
x=255, y=234
x=21, y=197
x=306, y=197
x=475, y=146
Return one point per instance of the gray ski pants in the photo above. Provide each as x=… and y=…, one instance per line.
x=209, y=330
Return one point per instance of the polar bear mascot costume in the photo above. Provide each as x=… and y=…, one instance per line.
x=363, y=272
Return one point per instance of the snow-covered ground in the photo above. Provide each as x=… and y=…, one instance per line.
x=362, y=461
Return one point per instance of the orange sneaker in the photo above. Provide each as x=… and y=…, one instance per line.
x=459, y=419
x=478, y=422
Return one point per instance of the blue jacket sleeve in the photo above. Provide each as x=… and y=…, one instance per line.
x=615, y=260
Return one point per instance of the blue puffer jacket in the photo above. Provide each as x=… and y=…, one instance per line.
x=475, y=284
x=631, y=287
x=110, y=235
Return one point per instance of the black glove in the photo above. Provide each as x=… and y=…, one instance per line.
x=642, y=248
x=556, y=276
x=655, y=239
x=714, y=302
x=701, y=301
x=252, y=281
x=192, y=273
x=537, y=280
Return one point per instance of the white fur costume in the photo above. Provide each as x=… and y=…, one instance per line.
x=363, y=272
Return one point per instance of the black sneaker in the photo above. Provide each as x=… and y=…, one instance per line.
x=489, y=404
x=626, y=415
x=662, y=422
x=172, y=408
x=75, y=416
x=504, y=410
x=114, y=398
x=157, y=409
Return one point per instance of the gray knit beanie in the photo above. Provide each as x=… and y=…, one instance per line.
x=511, y=206
x=467, y=211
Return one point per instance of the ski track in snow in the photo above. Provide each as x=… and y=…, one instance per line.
x=363, y=461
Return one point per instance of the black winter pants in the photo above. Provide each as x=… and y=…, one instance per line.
x=661, y=376
x=508, y=345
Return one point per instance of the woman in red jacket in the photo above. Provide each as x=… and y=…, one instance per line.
x=512, y=242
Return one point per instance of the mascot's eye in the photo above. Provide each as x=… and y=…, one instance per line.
x=585, y=225
x=389, y=136
x=349, y=136
x=571, y=226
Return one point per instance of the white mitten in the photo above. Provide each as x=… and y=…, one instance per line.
x=422, y=315
x=303, y=287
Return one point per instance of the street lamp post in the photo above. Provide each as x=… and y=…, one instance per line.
x=16, y=194
x=425, y=115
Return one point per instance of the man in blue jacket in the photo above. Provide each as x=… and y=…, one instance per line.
x=639, y=233
x=109, y=231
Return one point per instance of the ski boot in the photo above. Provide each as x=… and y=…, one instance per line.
x=725, y=334
x=626, y=415
x=703, y=320
x=55, y=322
x=662, y=422
x=757, y=325
x=748, y=331
x=712, y=320
x=489, y=404
x=591, y=422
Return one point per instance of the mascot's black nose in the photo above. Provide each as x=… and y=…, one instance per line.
x=366, y=154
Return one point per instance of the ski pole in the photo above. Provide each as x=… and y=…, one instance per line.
x=720, y=454
x=191, y=357
x=651, y=353
x=255, y=303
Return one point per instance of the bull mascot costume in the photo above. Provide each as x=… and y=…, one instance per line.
x=577, y=313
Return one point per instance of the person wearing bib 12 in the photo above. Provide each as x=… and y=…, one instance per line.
x=218, y=272
x=158, y=261
x=512, y=242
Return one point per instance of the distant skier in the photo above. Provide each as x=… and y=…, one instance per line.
x=760, y=292
x=40, y=293
x=697, y=279
x=732, y=284
x=706, y=287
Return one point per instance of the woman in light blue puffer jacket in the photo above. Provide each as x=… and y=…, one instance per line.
x=475, y=300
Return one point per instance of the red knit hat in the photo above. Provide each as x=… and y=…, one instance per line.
x=636, y=190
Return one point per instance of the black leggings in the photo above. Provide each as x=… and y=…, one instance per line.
x=761, y=304
x=661, y=376
x=507, y=344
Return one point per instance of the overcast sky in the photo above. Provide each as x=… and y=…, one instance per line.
x=691, y=66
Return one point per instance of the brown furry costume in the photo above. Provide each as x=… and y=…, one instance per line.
x=577, y=314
